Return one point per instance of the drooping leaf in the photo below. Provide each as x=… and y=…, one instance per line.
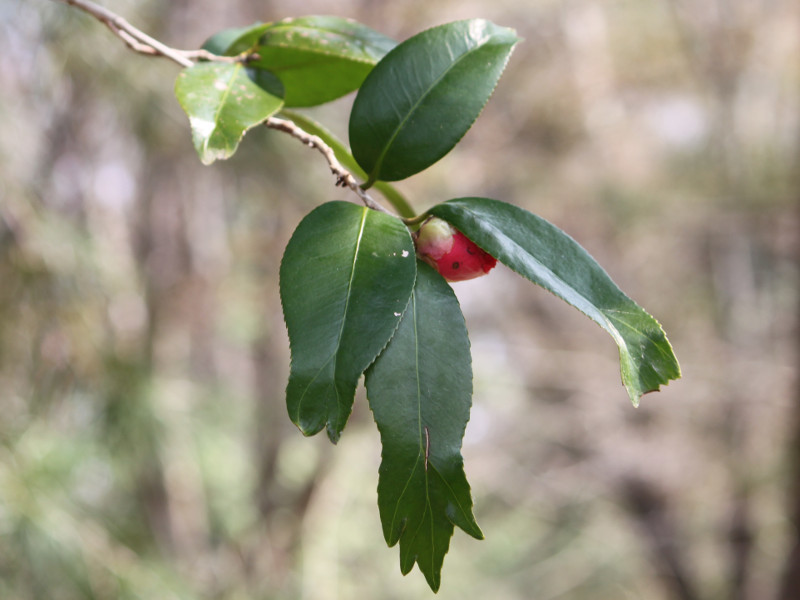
x=547, y=256
x=420, y=392
x=320, y=58
x=345, y=280
x=223, y=101
x=343, y=155
x=421, y=99
x=230, y=42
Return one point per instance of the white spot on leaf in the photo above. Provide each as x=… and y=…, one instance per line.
x=203, y=127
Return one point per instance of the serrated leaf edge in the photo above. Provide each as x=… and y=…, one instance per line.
x=635, y=392
x=373, y=176
x=209, y=156
x=334, y=436
x=398, y=526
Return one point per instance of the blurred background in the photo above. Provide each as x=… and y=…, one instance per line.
x=145, y=450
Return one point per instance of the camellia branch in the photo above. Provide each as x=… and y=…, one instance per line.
x=343, y=177
x=140, y=42
x=135, y=38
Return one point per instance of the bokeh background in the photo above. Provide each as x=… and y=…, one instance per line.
x=145, y=451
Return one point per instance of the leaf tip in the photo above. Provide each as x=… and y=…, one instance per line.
x=636, y=394
x=476, y=532
x=434, y=579
x=333, y=433
x=307, y=428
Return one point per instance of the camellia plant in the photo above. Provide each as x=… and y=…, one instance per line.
x=364, y=289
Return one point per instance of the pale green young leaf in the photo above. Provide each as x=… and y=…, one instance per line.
x=319, y=58
x=230, y=42
x=223, y=101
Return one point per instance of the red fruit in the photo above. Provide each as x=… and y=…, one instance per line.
x=450, y=252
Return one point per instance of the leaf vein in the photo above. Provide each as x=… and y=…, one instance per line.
x=223, y=99
x=379, y=162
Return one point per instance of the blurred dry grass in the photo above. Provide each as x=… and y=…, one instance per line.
x=145, y=447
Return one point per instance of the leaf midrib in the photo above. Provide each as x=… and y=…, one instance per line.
x=611, y=322
x=421, y=459
x=495, y=231
x=373, y=176
x=335, y=353
x=420, y=455
x=220, y=106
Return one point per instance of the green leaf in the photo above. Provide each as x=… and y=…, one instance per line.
x=420, y=392
x=223, y=101
x=345, y=280
x=421, y=99
x=547, y=256
x=230, y=42
x=342, y=153
x=320, y=58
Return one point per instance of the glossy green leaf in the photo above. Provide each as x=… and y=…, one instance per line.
x=230, y=42
x=223, y=101
x=320, y=58
x=345, y=280
x=547, y=256
x=346, y=159
x=420, y=392
x=421, y=99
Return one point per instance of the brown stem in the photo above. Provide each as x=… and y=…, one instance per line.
x=343, y=177
x=140, y=42
x=135, y=38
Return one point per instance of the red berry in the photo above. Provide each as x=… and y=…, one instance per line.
x=451, y=253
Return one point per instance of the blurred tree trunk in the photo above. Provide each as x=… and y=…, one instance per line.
x=271, y=425
x=717, y=41
x=651, y=511
x=790, y=579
